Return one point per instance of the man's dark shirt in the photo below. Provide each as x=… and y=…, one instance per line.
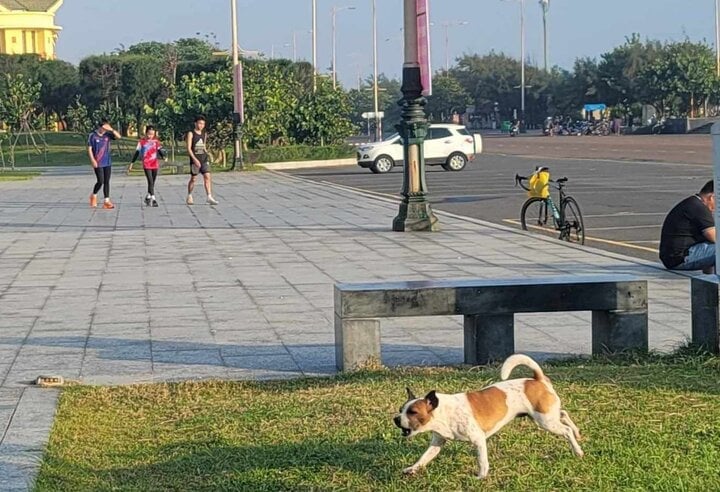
x=682, y=229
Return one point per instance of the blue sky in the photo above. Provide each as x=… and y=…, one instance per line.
x=577, y=27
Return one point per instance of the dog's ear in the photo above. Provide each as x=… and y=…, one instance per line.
x=432, y=400
x=410, y=394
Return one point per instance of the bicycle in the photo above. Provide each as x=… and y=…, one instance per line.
x=567, y=219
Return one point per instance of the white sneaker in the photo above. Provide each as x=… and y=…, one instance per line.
x=189, y=200
x=211, y=201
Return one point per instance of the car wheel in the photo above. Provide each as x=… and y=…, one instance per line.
x=383, y=164
x=456, y=162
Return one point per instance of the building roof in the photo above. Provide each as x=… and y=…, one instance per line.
x=28, y=5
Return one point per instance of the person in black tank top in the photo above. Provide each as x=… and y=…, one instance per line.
x=196, y=141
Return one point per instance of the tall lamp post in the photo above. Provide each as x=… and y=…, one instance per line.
x=335, y=10
x=415, y=213
x=717, y=37
x=545, y=6
x=239, y=112
x=376, y=100
x=447, y=25
x=314, y=44
x=522, y=65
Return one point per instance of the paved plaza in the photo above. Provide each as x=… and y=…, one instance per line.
x=243, y=290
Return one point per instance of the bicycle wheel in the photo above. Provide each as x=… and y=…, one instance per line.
x=534, y=214
x=573, y=230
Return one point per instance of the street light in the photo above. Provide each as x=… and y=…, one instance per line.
x=294, y=42
x=717, y=37
x=335, y=10
x=545, y=6
x=415, y=212
x=239, y=112
x=522, y=65
x=378, y=120
x=446, y=25
x=399, y=37
x=314, y=44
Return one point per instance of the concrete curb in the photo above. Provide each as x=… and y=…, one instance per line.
x=26, y=437
x=279, y=166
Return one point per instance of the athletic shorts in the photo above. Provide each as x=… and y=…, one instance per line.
x=203, y=169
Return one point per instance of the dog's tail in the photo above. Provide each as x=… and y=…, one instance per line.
x=521, y=360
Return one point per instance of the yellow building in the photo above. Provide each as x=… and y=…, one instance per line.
x=28, y=27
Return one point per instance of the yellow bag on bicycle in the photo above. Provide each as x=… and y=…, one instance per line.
x=539, y=183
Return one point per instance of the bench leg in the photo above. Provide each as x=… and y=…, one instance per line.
x=618, y=331
x=705, y=317
x=488, y=338
x=357, y=342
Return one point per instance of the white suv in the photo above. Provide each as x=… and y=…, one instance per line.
x=449, y=146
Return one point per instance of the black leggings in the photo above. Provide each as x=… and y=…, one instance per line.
x=103, y=180
x=151, y=176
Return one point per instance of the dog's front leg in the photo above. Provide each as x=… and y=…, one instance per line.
x=436, y=445
x=480, y=442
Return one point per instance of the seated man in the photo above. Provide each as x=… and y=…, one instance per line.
x=687, y=241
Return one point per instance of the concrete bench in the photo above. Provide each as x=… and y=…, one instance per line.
x=705, y=318
x=618, y=304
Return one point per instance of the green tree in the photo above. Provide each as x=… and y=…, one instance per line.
x=271, y=96
x=321, y=118
x=155, y=49
x=20, y=102
x=140, y=85
x=362, y=101
x=100, y=79
x=79, y=118
x=194, y=49
x=585, y=82
x=493, y=80
x=448, y=97
x=18, y=64
x=209, y=94
x=680, y=78
x=60, y=84
x=19, y=106
x=619, y=71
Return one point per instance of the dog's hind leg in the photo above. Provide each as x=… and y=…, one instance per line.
x=556, y=426
x=430, y=453
x=565, y=419
x=480, y=442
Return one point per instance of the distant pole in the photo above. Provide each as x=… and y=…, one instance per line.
x=314, y=44
x=378, y=120
x=522, y=64
x=294, y=46
x=334, y=47
x=446, y=25
x=717, y=37
x=545, y=5
x=335, y=10
x=238, y=115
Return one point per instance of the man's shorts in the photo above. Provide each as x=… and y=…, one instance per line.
x=203, y=169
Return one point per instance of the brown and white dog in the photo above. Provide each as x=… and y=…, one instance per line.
x=475, y=416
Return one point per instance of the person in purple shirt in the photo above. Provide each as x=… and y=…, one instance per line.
x=99, y=154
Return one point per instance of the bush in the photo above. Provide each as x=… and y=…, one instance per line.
x=291, y=153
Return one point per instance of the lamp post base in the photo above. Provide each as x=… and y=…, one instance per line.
x=238, y=163
x=415, y=216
